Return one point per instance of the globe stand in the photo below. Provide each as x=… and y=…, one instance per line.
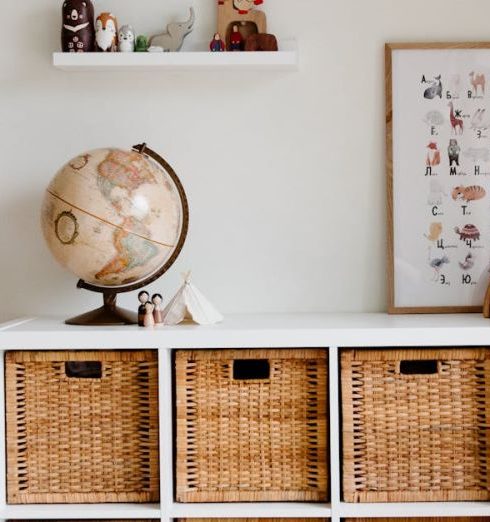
x=108, y=315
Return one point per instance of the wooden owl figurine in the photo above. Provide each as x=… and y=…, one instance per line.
x=106, y=33
x=77, y=30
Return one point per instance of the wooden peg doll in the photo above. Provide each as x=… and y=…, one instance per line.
x=143, y=298
x=148, y=321
x=157, y=300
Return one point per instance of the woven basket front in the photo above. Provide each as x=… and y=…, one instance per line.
x=415, y=424
x=73, y=439
x=251, y=439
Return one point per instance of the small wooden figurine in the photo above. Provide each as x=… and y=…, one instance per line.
x=143, y=298
x=157, y=312
x=141, y=44
x=236, y=39
x=173, y=39
x=126, y=39
x=106, y=33
x=148, y=320
x=244, y=6
x=261, y=42
x=248, y=23
x=217, y=45
x=77, y=32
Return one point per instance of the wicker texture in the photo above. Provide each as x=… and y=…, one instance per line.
x=82, y=440
x=415, y=437
x=251, y=440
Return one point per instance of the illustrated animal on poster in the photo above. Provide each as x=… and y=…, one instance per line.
x=477, y=154
x=468, y=263
x=78, y=32
x=127, y=39
x=480, y=121
x=437, y=264
x=455, y=85
x=468, y=232
x=106, y=33
x=435, y=231
x=173, y=39
x=467, y=194
x=434, y=90
x=248, y=23
x=244, y=6
x=436, y=193
x=456, y=122
x=433, y=155
x=434, y=119
x=453, y=151
x=261, y=42
x=477, y=80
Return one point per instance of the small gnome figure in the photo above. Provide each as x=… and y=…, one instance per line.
x=77, y=32
x=126, y=39
x=143, y=298
x=217, y=45
x=236, y=39
x=244, y=6
x=157, y=300
x=106, y=33
x=148, y=321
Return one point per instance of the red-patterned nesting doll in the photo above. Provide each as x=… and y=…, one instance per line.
x=77, y=31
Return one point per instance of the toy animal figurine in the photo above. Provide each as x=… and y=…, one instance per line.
x=217, y=45
x=141, y=44
x=477, y=80
x=453, y=152
x=435, y=89
x=172, y=40
x=143, y=298
x=77, y=32
x=261, y=42
x=236, y=39
x=249, y=22
x=126, y=39
x=244, y=6
x=106, y=33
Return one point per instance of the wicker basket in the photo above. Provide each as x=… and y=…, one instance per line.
x=251, y=425
x=415, y=425
x=82, y=427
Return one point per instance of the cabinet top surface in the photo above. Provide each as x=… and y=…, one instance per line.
x=279, y=330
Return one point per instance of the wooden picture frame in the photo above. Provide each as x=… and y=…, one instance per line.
x=411, y=86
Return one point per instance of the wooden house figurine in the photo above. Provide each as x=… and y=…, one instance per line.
x=251, y=22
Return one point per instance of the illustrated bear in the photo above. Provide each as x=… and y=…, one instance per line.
x=453, y=151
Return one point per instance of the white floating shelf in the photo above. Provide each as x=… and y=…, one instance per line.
x=286, y=59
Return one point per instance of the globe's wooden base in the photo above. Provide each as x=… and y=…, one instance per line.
x=107, y=315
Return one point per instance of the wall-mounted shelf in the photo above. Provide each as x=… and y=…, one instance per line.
x=284, y=60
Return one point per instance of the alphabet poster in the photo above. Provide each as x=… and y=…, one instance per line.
x=438, y=114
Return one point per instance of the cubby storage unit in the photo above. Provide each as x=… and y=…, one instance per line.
x=251, y=425
x=334, y=333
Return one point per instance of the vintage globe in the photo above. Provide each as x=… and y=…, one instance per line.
x=117, y=219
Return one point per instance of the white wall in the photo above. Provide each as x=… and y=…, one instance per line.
x=284, y=171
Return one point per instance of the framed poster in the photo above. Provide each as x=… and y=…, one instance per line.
x=438, y=172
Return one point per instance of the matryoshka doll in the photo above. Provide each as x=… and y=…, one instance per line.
x=106, y=33
x=77, y=31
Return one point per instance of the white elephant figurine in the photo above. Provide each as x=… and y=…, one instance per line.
x=173, y=39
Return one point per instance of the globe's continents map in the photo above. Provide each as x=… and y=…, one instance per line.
x=112, y=217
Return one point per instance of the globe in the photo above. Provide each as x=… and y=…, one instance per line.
x=115, y=218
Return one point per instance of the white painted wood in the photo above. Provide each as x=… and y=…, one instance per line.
x=332, y=331
x=251, y=510
x=3, y=466
x=283, y=60
x=81, y=511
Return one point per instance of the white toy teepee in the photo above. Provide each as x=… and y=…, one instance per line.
x=190, y=304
